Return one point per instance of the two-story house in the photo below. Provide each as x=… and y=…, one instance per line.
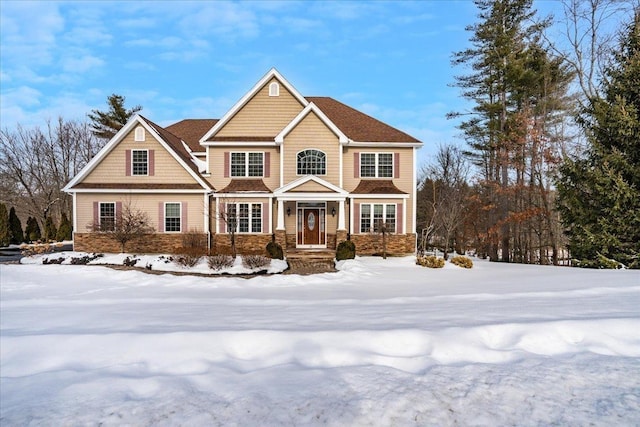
x=309, y=171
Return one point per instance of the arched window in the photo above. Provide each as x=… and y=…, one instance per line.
x=139, y=135
x=274, y=89
x=312, y=162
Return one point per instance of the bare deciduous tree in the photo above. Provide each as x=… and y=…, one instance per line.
x=130, y=224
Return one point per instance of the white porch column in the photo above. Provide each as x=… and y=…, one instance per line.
x=341, y=225
x=280, y=225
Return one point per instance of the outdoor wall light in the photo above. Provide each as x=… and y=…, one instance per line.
x=333, y=211
x=288, y=211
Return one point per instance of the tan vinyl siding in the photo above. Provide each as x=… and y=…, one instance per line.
x=312, y=133
x=311, y=187
x=216, y=165
x=263, y=115
x=148, y=203
x=112, y=169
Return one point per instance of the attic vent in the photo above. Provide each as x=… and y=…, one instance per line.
x=274, y=89
x=139, y=136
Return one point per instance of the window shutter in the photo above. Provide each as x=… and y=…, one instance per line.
x=396, y=165
x=399, y=224
x=118, y=211
x=356, y=216
x=152, y=162
x=267, y=164
x=161, y=217
x=96, y=216
x=226, y=164
x=222, y=216
x=356, y=165
x=265, y=217
x=127, y=166
x=184, y=220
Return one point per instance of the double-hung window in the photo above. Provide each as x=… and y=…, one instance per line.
x=374, y=215
x=247, y=164
x=107, y=216
x=376, y=165
x=139, y=162
x=172, y=217
x=244, y=217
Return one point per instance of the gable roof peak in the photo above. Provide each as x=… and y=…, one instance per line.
x=272, y=73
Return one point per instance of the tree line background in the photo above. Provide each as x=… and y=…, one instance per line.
x=547, y=169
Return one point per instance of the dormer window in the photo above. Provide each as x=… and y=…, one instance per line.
x=139, y=134
x=274, y=89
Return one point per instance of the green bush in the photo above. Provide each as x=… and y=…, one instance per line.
x=275, y=250
x=430, y=261
x=602, y=262
x=346, y=250
x=462, y=261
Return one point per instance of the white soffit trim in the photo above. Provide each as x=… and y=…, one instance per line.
x=239, y=144
x=309, y=108
x=255, y=89
x=379, y=196
x=140, y=191
x=105, y=150
x=303, y=180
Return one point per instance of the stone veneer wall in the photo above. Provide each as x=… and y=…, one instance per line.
x=397, y=244
x=157, y=243
x=245, y=244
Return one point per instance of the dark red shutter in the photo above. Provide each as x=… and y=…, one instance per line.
x=267, y=165
x=356, y=165
x=184, y=222
x=127, y=166
x=356, y=217
x=96, y=216
x=152, y=162
x=265, y=217
x=161, y=217
x=226, y=164
x=399, y=224
x=396, y=165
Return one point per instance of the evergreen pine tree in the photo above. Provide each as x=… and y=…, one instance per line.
x=105, y=124
x=50, y=230
x=64, y=231
x=5, y=236
x=599, y=194
x=15, y=228
x=32, y=231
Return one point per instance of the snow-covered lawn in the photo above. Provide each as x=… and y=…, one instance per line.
x=382, y=343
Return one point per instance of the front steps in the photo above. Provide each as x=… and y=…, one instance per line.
x=310, y=261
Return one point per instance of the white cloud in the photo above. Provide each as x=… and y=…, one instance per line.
x=81, y=64
x=228, y=20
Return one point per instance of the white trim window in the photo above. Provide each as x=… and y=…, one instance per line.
x=244, y=217
x=139, y=134
x=139, y=162
x=172, y=217
x=107, y=216
x=373, y=215
x=376, y=165
x=274, y=89
x=311, y=162
x=247, y=164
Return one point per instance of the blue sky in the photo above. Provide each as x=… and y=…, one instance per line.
x=196, y=59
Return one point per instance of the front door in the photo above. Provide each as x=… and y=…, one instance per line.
x=311, y=227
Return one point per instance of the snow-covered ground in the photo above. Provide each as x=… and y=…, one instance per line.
x=382, y=343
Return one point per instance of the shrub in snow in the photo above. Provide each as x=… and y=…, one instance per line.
x=220, y=261
x=602, y=262
x=189, y=257
x=462, y=261
x=129, y=262
x=53, y=260
x=346, y=250
x=84, y=260
x=430, y=261
x=255, y=261
x=275, y=250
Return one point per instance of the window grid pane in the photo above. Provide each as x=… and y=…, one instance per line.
x=139, y=162
x=367, y=165
x=256, y=218
x=172, y=217
x=238, y=166
x=385, y=165
x=365, y=218
x=243, y=218
x=107, y=216
x=232, y=219
x=312, y=162
x=255, y=164
x=378, y=216
x=390, y=219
